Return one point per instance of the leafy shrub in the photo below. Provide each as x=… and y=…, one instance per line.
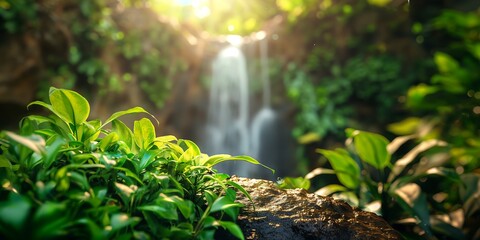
x=334, y=102
x=452, y=97
x=65, y=176
x=418, y=187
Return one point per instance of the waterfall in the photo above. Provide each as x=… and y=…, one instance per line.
x=230, y=128
x=264, y=127
x=228, y=110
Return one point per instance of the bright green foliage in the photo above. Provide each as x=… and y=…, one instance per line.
x=347, y=170
x=407, y=187
x=322, y=102
x=63, y=176
x=371, y=148
x=452, y=97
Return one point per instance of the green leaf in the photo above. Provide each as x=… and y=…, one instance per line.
x=15, y=211
x=469, y=192
x=216, y=159
x=52, y=151
x=190, y=145
x=445, y=62
x=319, y=171
x=95, y=232
x=292, y=183
x=129, y=173
x=186, y=207
x=124, y=133
x=43, y=104
x=210, y=196
x=62, y=180
x=241, y=189
x=402, y=163
x=177, y=185
x=148, y=158
x=223, y=203
x=233, y=228
x=144, y=133
x=50, y=220
x=348, y=172
x=70, y=106
x=88, y=131
x=372, y=148
x=167, y=138
x=447, y=230
x=80, y=180
x=124, y=190
x=121, y=220
x=33, y=142
x=407, y=126
x=330, y=189
x=414, y=201
x=107, y=141
x=5, y=163
x=165, y=210
x=129, y=111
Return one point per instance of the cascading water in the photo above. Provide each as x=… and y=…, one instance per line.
x=263, y=132
x=229, y=126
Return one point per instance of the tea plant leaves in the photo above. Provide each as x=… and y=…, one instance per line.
x=54, y=214
x=144, y=133
x=124, y=133
x=121, y=220
x=107, y=141
x=14, y=213
x=34, y=142
x=5, y=163
x=129, y=111
x=218, y=158
x=69, y=105
x=117, y=183
x=165, y=210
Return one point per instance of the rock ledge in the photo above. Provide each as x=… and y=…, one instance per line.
x=297, y=214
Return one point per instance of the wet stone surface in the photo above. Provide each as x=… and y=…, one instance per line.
x=297, y=214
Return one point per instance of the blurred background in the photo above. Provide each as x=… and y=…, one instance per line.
x=274, y=79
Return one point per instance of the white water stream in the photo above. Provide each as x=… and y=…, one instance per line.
x=230, y=128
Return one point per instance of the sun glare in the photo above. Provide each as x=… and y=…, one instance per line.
x=200, y=7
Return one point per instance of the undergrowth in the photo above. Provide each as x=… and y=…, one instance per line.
x=63, y=176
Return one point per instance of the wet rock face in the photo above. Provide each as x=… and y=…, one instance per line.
x=296, y=214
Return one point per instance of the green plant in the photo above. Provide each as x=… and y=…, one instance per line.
x=329, y=104
x=418, y=187
x=452, y=98
x=63, y=176
x=16, y=15
x=92, y=47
